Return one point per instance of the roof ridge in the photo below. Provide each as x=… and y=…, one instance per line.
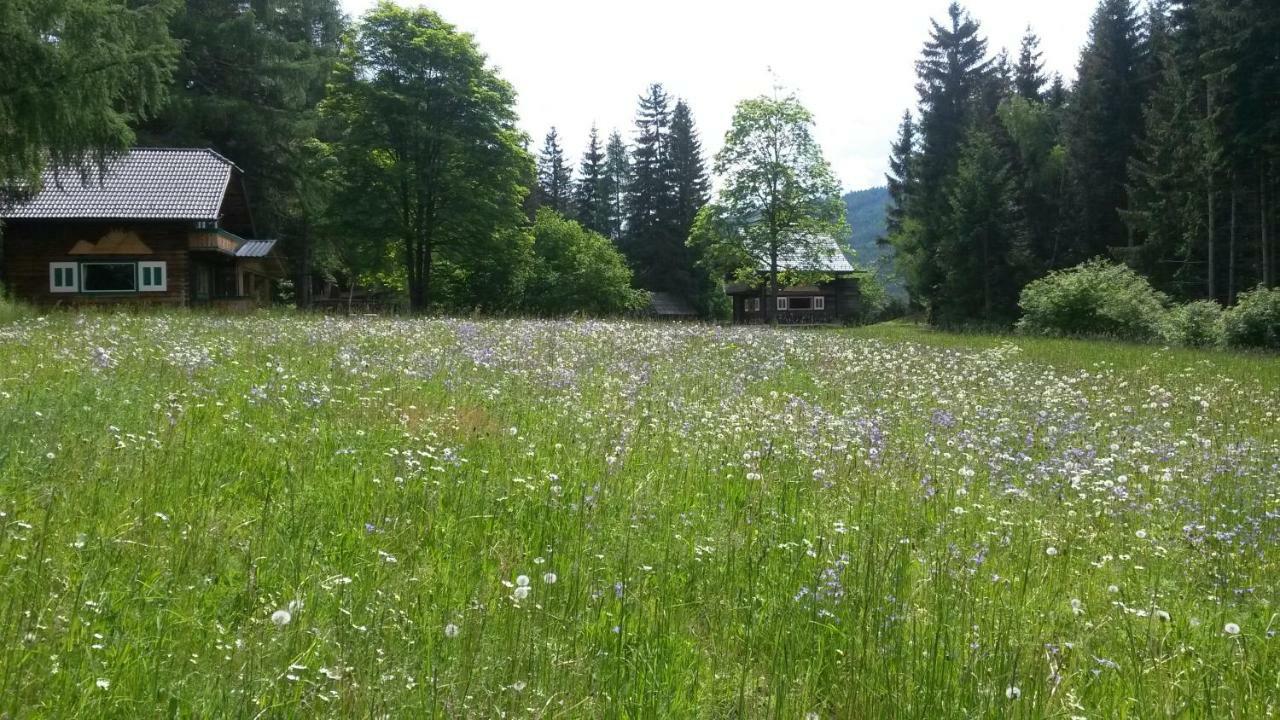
x=195, y=149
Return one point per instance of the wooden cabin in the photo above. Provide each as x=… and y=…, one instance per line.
x=158, y=226
x=837, y=301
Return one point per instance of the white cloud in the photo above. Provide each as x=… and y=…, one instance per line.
x=852, y=63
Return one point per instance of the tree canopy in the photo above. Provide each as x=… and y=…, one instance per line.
x=431, y=128
x=778, y=198
x=79, y=76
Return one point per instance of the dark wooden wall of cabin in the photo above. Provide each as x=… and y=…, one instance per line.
x=29, y=247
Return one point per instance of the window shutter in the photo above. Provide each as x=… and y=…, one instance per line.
x=152, y=277
x=782, y=303
x=819, y=302
x=63, y=277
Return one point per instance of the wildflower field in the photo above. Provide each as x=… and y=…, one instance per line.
x=276, y=516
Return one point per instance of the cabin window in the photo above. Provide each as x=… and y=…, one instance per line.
x=800, y=303
x=782, y=303
x=62, y=277
x=753, y=304
x=105, y=277
x=152, y=277
x=819, y=302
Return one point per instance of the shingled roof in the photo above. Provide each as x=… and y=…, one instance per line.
x=824, y=255
x=142, y=184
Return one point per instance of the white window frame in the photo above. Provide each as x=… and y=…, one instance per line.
x=819, y=302
x=153, y=266
x=60, y=270
x=782, y=303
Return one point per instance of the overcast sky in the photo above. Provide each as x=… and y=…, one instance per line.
x=574, y=62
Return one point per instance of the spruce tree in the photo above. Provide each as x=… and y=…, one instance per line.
x=616, y=185
x=1166, y=206
x=1103, y=125
x=1029, y=79
x=248, y=84
x=689, y=192
x=953, y=72
x=900, y=176
x=649, y=194
x=590, y=198
x=555, y=178
x=1056, y=97
x=975, y=254
x=689, y=182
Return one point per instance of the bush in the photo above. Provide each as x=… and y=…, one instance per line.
x=1095, y=298
x=1255, y=320
x=11, y=309
x=577, y=271
x=1196, y=324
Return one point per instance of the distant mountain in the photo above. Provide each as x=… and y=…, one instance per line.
x=865, y=211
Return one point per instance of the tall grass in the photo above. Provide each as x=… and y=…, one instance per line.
x=307, y=517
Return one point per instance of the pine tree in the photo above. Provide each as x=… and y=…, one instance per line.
x=1029, y=78
x=953, y=72
x=616, y=185
x=690, y=188
x=590, y=196
x=690, y=185
x=555, y=178
x=1166, y=205
x=649, y=195
x=1056, y=97
x=1104, y=123
x=900, y=177
x=978, y=277
x=249, y=80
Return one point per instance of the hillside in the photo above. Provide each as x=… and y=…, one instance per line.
x=865, y=211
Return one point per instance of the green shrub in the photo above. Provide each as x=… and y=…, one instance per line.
x=1095, y=298
x=1255, y=320
x=1196, y=324
x=11, y=309
x=577, y=271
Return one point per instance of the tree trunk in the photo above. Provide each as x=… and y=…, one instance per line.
x=1265, y=242
x=302, y=291
x=1212, y=272
x=771, y=309
x=1231, y=248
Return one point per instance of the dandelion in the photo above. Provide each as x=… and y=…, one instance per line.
x=1231, y=629
x=1051, y=551
x=811, y=715
x=1113, y=589
x=521, y=592
x=1141, y=534
x=518, y=686
x=549, y=578
x=281, y=618
x=103, y=683
x=1162, y=616
x=1077, y=607
x=451, y=630
x=1013, y=692
x=522, y=581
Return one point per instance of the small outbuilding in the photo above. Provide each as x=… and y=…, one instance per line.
x=166, y=226
x=834, y=301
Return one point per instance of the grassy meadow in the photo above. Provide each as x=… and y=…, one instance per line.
x=274, y=516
